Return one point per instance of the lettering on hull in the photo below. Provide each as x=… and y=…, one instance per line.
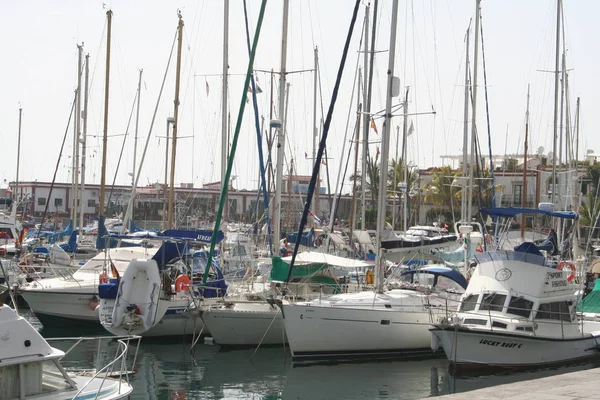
x=497, y=343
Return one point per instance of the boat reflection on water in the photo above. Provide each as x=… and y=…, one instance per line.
x=168, y=370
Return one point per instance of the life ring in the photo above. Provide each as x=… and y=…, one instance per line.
x=182, y=283
x=567, y=265
x=103, y=277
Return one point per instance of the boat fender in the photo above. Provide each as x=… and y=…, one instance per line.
x=435, y=342
x=567, y=266
x=182, y=283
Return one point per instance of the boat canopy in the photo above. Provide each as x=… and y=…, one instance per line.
x=441, y=271
x=314, y=257
x=514, y=211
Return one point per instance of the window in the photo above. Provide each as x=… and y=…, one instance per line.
x=497, y=324
x=41, y=201
x=469, y=303
x=520, y=306
x=493, y=302
x=517, y=194
x=91, y=203
x=558, y=310
x=58, y=202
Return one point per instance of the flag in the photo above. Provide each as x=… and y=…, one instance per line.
x=9, y=191
x=114, y=271
x=411, y=129
x=21, y=236
x=373, y=126
x=258, y=89
x=324, y=161
x=207, y=88
x=377, y=151
x=315, y=218
x=306, y=155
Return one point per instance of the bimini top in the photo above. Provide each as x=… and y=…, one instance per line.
x=314, y=257
x=441, y=271
x=21, y=342
x=513, y=211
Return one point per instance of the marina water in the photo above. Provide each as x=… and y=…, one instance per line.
x=171, y=370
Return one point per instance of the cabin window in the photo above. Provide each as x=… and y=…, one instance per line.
x=493, y=302
x=520, y=306
x=469, y=303
x=496, y=324
x=474, y=321
x=558, y=310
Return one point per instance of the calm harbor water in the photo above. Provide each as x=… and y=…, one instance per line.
x=171, y=370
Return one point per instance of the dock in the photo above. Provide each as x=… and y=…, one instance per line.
x=573, y=385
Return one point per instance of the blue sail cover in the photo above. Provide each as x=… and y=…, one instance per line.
x=168, y=251
x=197, y=235
x=514, y=211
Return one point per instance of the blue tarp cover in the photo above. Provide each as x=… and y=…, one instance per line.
x=513, y=211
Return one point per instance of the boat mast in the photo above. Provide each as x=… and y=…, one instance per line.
x=524, y=189
x=137, y=124
x=76, y=200
x=281, y=130
x=224, y=124
x=359, y=116
x=315, y=205
x=577, y=135
x=84, y=138
x=404, y=165
x=465, y=160
x=175, y=124
x=474, y=119
x=556, y=84
x=105, y=130
x=382, y=199
x=13, y=211
x=366, y=109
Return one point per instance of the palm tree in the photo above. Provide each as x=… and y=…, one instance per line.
x=371, y=178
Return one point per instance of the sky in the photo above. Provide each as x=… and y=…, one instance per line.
x=39, y=75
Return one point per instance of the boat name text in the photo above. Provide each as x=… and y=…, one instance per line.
x=496, y=343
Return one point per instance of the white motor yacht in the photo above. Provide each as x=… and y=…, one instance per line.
x=31, y=369
x=518, y=312
x=74, y=298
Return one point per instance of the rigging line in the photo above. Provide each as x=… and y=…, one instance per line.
x=238, y=126
x=487, y=113
x=62, y=146
x=317, y=165
x=339, y=186
x=262, y=184
x=112, y=188
x=339, y=195
x=162, y=86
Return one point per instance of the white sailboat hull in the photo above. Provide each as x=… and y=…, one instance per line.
x=246, y=324
x=322, y=332
x=477, y=350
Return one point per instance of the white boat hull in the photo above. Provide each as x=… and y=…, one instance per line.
x=323, y=332
x=49, y=305
x=246, y=324
x=479, y=350
x=177, y=320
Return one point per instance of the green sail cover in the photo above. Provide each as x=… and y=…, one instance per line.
x=309, y=273
x=591, y=302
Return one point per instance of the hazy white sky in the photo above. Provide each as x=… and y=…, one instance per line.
x=40, y=63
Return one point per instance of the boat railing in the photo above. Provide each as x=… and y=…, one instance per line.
x=118, y=368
